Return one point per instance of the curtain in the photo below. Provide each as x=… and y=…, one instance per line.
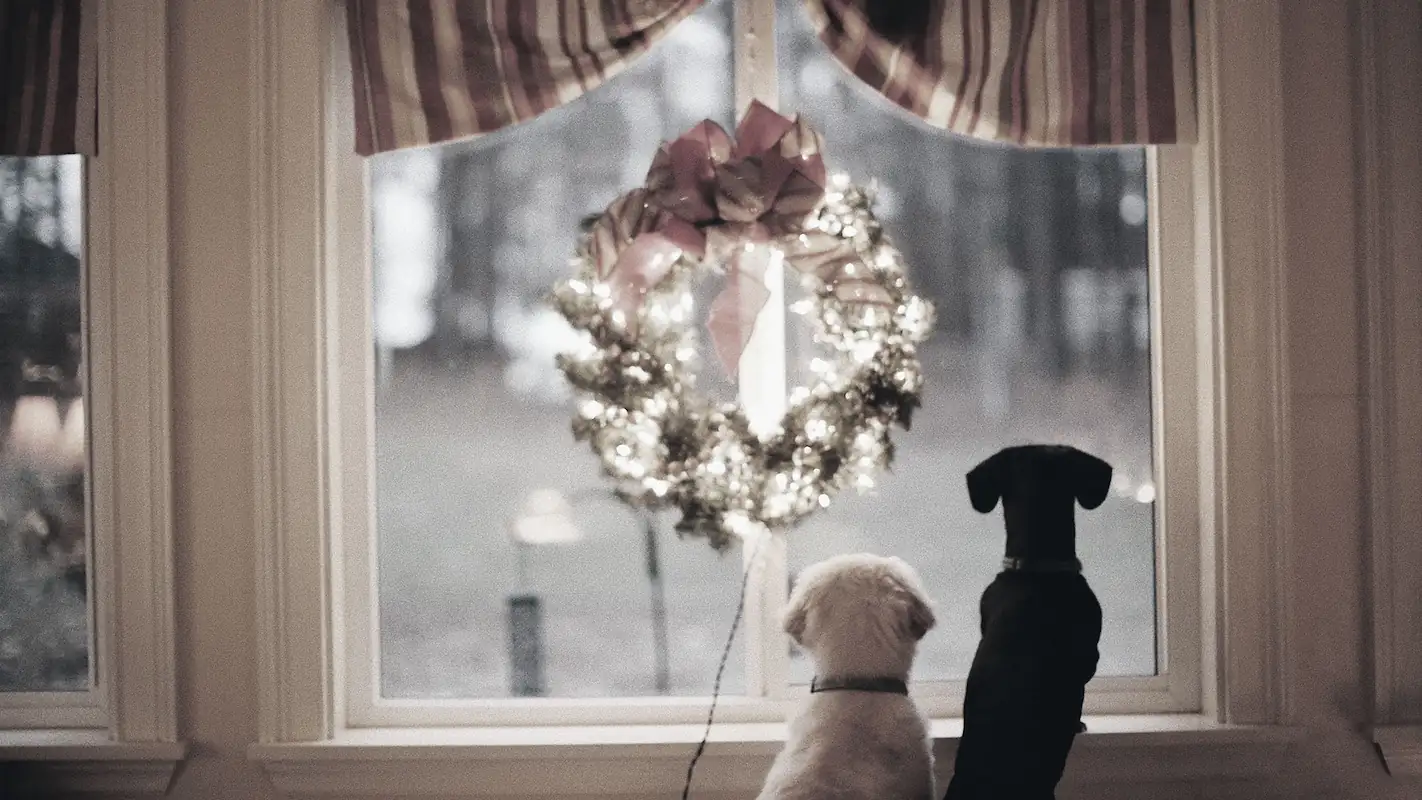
x=427, y=71
x=48, y=77
x=1032, y=72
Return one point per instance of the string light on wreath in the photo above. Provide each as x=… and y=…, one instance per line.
x=713, y=206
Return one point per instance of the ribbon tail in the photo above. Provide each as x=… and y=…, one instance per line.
x=733, y=313
x=818, y=253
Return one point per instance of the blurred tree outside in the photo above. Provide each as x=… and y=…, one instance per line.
x=44, y=612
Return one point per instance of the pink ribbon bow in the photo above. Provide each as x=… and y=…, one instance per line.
x=706, y=194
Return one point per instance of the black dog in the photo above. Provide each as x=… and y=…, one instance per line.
x=1041, y=625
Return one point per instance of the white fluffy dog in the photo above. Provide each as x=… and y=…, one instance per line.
x=859, y=735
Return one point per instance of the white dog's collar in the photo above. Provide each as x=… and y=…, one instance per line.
x=1041, y=565
x=885, y=685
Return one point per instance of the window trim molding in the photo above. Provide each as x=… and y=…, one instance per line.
x=289, y=239
x=1244, y=460
x=1389, y=246
x=564, y=762
x=131, y=744
x=1245, y=502
x=770, y=696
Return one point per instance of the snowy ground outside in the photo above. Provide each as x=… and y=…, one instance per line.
x=457, y=453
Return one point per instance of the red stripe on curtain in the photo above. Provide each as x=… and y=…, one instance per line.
x=963, y=75
x=1121, y=71
x=48, y=79
x=480, y=64
x=981, y=74
x=428, y=71
x=1160, y=71
x=1012, y=90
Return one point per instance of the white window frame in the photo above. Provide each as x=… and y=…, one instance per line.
x=769, y=695
x=122, y=733
x=1390, y=202
x=1222, y=396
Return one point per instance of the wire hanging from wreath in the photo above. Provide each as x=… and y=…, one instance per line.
x=709, y=203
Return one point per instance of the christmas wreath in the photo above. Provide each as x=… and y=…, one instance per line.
x=709, y=203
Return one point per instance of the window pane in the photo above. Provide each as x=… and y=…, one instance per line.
x=473, y=446
x=44, y=539
x=1037, y=263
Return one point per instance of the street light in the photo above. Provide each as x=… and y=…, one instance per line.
x=546, y=519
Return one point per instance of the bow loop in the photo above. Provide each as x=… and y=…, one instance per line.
x=772, y=173
x=682, y=178
x=625, y=219
x=707, y=196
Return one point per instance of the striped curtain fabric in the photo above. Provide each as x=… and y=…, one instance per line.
x=48, y=77
x=1032, y=72
x=428, y=71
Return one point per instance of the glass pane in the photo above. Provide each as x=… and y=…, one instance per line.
x=44, y=538
x=1037, y=262
x=505, y=566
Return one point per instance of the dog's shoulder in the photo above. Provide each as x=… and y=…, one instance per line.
x=1039, y=609
x=1012, y=593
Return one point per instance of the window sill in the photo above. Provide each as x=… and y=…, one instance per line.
x=652, y=759
x=1401, y=748
x=64, y=762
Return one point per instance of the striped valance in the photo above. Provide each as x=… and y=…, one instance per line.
x=428, y=71
x=48, y=77
x=1035, y=72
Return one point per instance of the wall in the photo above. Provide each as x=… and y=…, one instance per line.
x=212, y=96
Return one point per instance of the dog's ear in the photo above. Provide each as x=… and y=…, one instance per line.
x=985, y=484
x=1090, y=479
x=796, y=617
x=919, y=618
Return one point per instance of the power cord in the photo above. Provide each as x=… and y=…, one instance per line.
x=721, y=667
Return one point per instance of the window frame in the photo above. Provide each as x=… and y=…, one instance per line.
x=1389, y=201
x=1230, y=218
x=122, y=734
x=769, y=695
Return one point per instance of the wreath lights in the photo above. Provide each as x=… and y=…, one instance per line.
x=723, y=208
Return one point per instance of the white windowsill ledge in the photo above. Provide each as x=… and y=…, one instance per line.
x=1401, y=748
x=68, y=762
x=652, y=759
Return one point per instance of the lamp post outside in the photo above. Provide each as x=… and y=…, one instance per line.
x=546, y=519
x=660, y=648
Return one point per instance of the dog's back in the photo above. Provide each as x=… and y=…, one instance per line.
x=859, y=735
x=854, y=746
x=1026, y=686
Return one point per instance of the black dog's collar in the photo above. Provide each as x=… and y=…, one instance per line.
x=885, y=685
x=1041, y=565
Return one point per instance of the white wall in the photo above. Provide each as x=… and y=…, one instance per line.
x=212, y=98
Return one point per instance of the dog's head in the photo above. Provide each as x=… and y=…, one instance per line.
x=859, y=614
x=1038, y=485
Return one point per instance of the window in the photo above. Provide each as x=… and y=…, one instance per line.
x=45, y=619
x=1217, y=397
x=495, y=565
x=504, y=564
x=86, y=568
x=1038, y=264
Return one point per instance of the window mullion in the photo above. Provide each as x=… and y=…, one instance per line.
x=762, y=369
x=754, y=65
